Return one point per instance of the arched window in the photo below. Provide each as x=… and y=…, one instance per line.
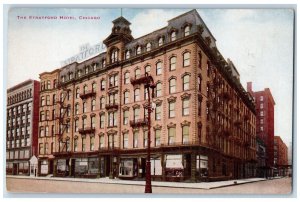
x=187, y=30
x=158, y=68
x=160, y=41
x=93, y=105
x=173, y=36
x=85, y=89
x=148, y=47
x=76, y=109
x=137, y=73
x=137, y=95
x=127, y=54
x=172, y=63
x=186, y=82
x=138, y=50
x=172, y=85
x=186, y=59
x=126, y=97
x=126, y=78
x=158, y=89
x=147, y=69
x=94, y=87
x=84, y=107
x=102, y=103
x=114, y=56
x=77, y=92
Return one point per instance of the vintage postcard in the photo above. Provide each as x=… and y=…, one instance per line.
x=139, y=100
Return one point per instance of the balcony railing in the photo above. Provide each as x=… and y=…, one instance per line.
x=112, y=106
x=141, y=79
x=87, y=94
x=138, y=123
x=87, y=130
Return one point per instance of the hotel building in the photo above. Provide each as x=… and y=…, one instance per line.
x=202, y=124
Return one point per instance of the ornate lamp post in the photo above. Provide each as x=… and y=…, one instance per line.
x=149, y=85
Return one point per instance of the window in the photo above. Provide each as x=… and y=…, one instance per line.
x=185, y=134
x=83, y=143
x=76, y=125
x=93, y=121
x=261, y=128
x=86, y=70
x=127, y=54
x=46, y=148
x=160, y=41
x=41, y=148
x=93, y=107
x=102, y=120
x=113, y=81
x=199, y=106
x=114, y=56
x=103, y=84
x=261, y=121
x=187, y=30
x=75, y=145
x=79, y=73
x=42, y=116
x=76, y=109
x=84, y=122
x=186, y=82
x=185, y=107
x=102, y=103
x=147, y=69
x=77, y=93
x=125, y=140
x=95, y=66
x=145, y=113
x=172, y=85
x=85, y=89
x=146, y=138
x=136, y=114
x=138, y=50
x=52, y=130
x=171, y=109
x=94, y=87
x=158, y=89
x=42, y=101
x=137, y=73
x=126, y=78
x=172, y=63
x=112, y=119
x=157, y=137
x=261, y=98
x=199, y=83
x=42, y=131
x=173, y=36
x=261, y=113
x=126, y=97
x=158, y=112
x=83, y=107
x=101, y=145
x=137, y=95
x=171, y=136
x=261, y=105
x=145, y=94
x=135, y=139
x=48, y=100
x=46, y=131
x=148, y=47
x=125, y=117
x=186, y=59
x=47, y=115
x=92, y=143
x=103, y=63
x=158, y=68
x=110, y=141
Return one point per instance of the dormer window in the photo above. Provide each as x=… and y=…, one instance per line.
x=86, y=70
x=148, y=47
x=160, y=41
x=70, y=75
x=138, y=50
x=173, y=36
x=79, y=73
x=114, y=56
x=95, y=66
x=127, y=54
x=62, y=78
x=187, y=30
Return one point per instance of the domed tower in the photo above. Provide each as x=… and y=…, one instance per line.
x=115, y=42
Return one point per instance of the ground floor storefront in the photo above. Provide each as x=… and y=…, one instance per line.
x=167, y=164
x=20, y=167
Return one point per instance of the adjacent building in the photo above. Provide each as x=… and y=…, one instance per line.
x=280, y=157
x=265, y=103
x=93, y=114
x=22, y=121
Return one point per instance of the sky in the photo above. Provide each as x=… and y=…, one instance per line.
x=258, y=41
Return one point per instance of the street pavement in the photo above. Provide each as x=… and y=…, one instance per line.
x=19, y=184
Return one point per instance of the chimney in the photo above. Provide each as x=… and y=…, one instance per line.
x=249, y=87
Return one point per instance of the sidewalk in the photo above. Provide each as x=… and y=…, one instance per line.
x=199, y=185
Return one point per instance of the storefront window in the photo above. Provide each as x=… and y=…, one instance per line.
x=156, y=168
x=62, y=166
x=202, y=166
x=128, y=168
x=174, y=166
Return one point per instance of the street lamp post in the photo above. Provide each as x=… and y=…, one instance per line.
x=148, y=187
